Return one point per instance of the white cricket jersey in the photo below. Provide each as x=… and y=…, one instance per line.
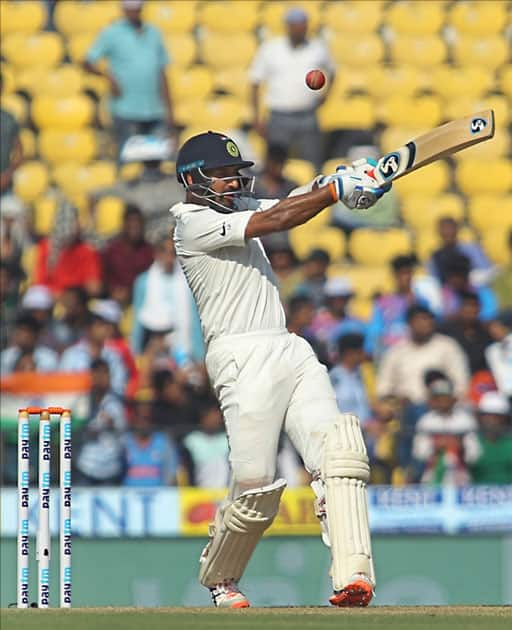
x=230, y=277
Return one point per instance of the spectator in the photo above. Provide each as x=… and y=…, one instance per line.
x=64, y=260
x=13, y=229
x=207, y=448
x=437, y=445
x=25, y=341
x=110, y=312
x=334, y=320
x=151, y=456
x=174, y=408
x=137, y=58
x=469, y=332
x=502, y=284
x=346, y=378
x=285, y=266
x=271, y=183
x=314, y=271
x=10, y=275
x=282, y=63
x=403, y=366
x=126, y=256
x=73, y=318
x=153, y=191
x=38, y=301
x=162, y=302
x=456, y=270
x=100, y=454
x=448, y=230
x=79, y=356
x=11, y=150
x=488, y=452
x=382, y=433
x=499, y=354
x=388, y=323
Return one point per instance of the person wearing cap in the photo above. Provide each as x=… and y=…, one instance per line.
x=437, y=445
x=25, y=341
x=153, y=191
x=265, y=378
x=488, y=452
x=281, y=64
x=80, y=356
x=140, y=96
x=38, y=301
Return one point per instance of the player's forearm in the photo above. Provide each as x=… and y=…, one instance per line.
x=290, y=212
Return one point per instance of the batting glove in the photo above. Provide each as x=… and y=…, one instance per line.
x=355, y=185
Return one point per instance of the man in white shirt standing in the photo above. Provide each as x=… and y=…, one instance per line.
x=264, y=377
x=282, y=63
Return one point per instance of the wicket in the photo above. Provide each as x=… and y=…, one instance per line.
x=43, y=537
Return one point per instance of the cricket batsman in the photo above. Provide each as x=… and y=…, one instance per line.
x=265, y=378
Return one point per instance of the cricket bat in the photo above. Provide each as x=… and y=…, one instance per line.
x=434, y=145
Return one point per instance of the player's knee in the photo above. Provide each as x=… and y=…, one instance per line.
x=254, y=475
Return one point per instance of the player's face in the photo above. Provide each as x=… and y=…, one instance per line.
x=221, y=183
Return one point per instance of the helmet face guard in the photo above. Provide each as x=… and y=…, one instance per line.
x=201, y=187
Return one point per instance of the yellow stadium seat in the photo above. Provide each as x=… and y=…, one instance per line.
x=272, y=15
x=230, y=16
x=65, y=80
x=131, y=171
x=394, y=137
x=478, y=18
x=366, y=280
x=43, y=50
x=172, y=17
x=490, y=52
x=360, y=50
x=421, y=211
x=194, y=84
x=411, y=112
x=361, y=307
x=73, y=16
x=505, y=80
x=356, y=17
x=182, y=49
x=217, y=50
x=424, y=52
x=233, y=81
x=356, y=112
x=300, y=171
x=109, y=216
x=30, y=180
x=16, y=105
x=427, y=241
x=463, y=106
x=82, y=179
x=8, y=78
x=68, y=113
x=22, y=17
x=452, y=82
x=330, y=239
x=484, y=177
x=415, y=18
x=490, y=211
x=57, y=145
x=495, y=242
x=393, y=81
x=221, y=113
x=429, y=180
x=44, y=214
x=378, y=247
x=78, y=45
x=28, y=142
x=498, y=147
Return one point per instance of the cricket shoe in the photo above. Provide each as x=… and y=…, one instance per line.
x=227, y=595
x=358, y=593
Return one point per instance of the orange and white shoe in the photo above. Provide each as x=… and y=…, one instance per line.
x=227, y=595
x=358, y=593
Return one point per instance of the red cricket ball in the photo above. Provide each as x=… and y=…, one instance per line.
x=315, y=79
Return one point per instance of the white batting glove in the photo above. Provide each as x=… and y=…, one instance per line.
x=354, y=187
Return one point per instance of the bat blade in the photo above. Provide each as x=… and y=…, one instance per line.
x=436, y=144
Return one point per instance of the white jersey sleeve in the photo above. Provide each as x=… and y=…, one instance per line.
x=206, y=230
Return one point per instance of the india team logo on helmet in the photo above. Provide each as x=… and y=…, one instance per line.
x=232, y=149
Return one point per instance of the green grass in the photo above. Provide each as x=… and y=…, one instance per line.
x=419, y=618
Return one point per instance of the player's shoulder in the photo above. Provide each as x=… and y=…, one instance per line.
x=182, y=208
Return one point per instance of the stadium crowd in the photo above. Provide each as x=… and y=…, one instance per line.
x=427, y=366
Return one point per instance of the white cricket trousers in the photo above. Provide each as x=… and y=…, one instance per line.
x=265, y=381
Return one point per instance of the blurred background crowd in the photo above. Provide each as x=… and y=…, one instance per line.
x=409, y=305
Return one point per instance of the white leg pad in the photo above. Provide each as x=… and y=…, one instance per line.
x=345, y=471
x=238, y=527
